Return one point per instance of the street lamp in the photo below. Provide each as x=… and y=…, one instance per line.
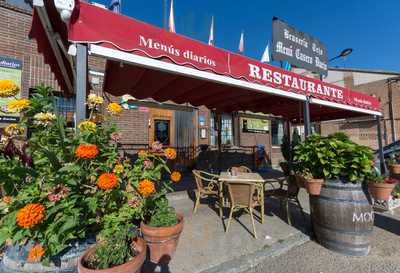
x=344, y=53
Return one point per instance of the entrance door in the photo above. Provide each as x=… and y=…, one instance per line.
x=162, y=131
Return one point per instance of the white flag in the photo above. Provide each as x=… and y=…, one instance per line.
x=265, y=56
x=241, y=43
x=211, y=38
x=171, y=18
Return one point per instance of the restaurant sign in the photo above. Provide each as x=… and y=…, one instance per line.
x=298, y=48
x=255, y=125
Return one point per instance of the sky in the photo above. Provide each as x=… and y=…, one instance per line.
x=370, y=27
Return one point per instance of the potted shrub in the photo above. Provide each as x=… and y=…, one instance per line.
x=118, y=247
x=394, y=166
x=381, y=187
x=161, y=225
x=59, y=185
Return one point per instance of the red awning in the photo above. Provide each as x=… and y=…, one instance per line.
x=149, y=62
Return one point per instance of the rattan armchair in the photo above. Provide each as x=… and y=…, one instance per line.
x=207, y=185
x=243, y=195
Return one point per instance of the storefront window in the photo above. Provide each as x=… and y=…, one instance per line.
x=277, y=131
x=227, y=130
x=213, y=132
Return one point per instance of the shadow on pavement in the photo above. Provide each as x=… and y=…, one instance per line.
x=387, y=223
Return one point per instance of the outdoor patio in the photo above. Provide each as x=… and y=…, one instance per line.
x=205, y=247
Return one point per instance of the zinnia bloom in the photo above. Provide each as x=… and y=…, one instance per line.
x=142, y=153
x=114, y=108
x=44, y=118
x=119, y=168
x=146, y=188
x=13, y=130
x=87, y=126
x=93, y=101
x=156, y=146
x=176, y=176
x=148, y=164
x=7, y=199
x=97, y=118
x=116, y=136
x=107, y=181
x=170, y=153
x=58, y=193
x=35, y=254
x=134, y=203
x=17, y=105
x=30, y=215
x=8, y=88
x=87, y=151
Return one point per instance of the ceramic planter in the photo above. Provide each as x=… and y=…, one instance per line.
x=162, y=241
x=132, y=266
x=314, y=186
x=394, y=169
x=380, y=191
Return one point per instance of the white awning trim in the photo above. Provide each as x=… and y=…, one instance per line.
x=344, y=107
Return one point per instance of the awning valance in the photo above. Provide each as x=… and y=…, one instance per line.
x=147, y=61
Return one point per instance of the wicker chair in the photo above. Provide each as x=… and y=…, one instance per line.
x=242, y=169
x=207, y=185
x=243, y=195
x=286, y=196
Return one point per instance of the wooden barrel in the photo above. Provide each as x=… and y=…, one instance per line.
x=343, y=218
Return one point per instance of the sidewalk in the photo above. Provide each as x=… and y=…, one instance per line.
x=205, y=247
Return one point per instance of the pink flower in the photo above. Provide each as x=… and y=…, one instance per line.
x=148, y=164
x=156, y=146
x=116, y=136
x=59, y=192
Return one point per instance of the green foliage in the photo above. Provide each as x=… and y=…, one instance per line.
x=164, y=216
x=334, y=156
x=63, y=183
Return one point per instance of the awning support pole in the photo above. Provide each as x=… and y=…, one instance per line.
x=81, y=81
x=380, y=146
x=307, y=125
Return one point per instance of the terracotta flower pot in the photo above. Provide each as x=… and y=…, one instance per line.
x=314, y=186
x=394, y=169
x=380, y=191
x=162, y=241
x=300, y=181
x=132, y=266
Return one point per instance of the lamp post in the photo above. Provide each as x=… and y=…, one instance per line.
x=344, y=53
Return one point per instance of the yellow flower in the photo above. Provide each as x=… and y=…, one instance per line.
x=88, y=126
x=8, y=88
x=97, y=118
x=170, y=153
x=13, y=130
x=17, y=105
x=119, y=168
x=44, y=118
x=94, y=100
x=114, y=108
x=142, y=153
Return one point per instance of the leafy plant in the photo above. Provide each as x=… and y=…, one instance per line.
x=334, y=156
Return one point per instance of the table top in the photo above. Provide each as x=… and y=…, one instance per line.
x=241, y=177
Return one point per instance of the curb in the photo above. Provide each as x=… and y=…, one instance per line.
x=249, y=261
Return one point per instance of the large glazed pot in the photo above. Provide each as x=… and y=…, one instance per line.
x=14, y=259
x=132, y=266
x=162, y=241
x=343, y=218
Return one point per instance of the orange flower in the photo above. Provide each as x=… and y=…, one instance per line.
x=146, y=188
x=176, y=176
x=87, y=151
x=35, y=254
x=142, y=153
x=170, y=153
x=30, y=215
x=107, y=181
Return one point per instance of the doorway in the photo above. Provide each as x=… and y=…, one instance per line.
x=162, y=131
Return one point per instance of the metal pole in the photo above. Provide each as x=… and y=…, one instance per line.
x=307, y=123
x=391, y=114
x=380, y=146
x=81, y=81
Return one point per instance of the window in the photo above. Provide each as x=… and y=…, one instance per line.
x=277, y=131
x=23, y=4
x=161, y=131
x=213, y=132
x=226, y=130
x=66, y=108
